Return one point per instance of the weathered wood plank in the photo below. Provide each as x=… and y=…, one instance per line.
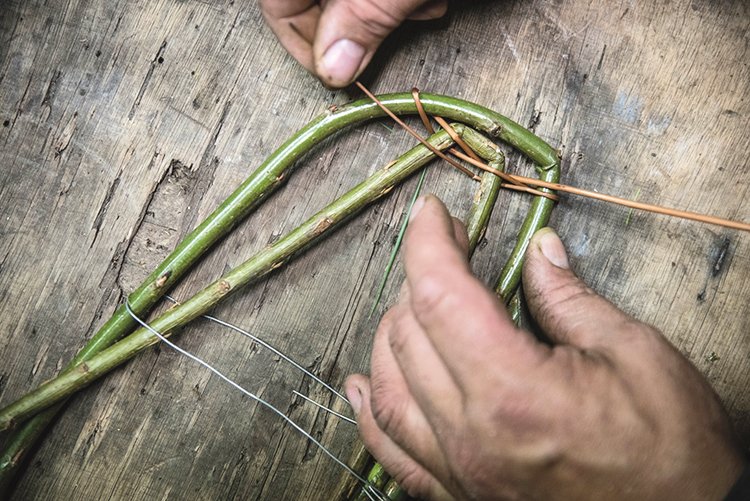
x=125, y=123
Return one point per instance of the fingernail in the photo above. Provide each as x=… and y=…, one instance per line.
x=417, y=207
x=354, y=395
x=552, y=248
x=341, y=61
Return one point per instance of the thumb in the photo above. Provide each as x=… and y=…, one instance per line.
x=350, y=31
x=566, y=309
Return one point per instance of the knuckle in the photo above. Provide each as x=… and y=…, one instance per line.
x=414, y=480
x=507, y=409
x=525, y=418
x=399, y=335
x=572, y=294
x=388, y=320
x=376, y=19
x=387, y=409
x=433, y=296
x=642, y=338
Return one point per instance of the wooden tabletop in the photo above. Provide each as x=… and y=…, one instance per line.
x=125, y=123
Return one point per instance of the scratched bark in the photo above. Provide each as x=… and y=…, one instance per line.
x=125, y=123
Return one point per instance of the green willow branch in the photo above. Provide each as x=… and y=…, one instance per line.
x=483, y=202
x=272, y=257
x=261, y=183
x=394, y=492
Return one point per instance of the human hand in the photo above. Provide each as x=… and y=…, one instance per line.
x=336, y=39
x=462, y=404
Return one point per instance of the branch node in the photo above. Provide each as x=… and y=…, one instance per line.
x=159, y=283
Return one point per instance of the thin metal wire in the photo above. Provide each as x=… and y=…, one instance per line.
x=258, y=399
x=266, y=345
x=281, y=354
x=327, y=409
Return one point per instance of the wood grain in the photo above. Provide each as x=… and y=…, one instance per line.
x=124, y=123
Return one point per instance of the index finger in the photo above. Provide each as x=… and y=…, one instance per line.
x=464, y=320
x=294, y=23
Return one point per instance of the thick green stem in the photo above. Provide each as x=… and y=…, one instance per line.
x=537, y=218
x=377, y=478
x=261, y=183
x=394, y=492
x=483, y=203
x=272, y=257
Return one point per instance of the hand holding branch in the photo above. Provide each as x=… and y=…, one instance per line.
x=462, y=404
x=336, y=39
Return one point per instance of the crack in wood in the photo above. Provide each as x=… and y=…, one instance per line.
x=113, y=274
x=207, y=167
x=104, y=207
x=147, y=78
x=19, y=106
x=63, y=140
x=49, y=94
x=719, y=255
x=231, y=29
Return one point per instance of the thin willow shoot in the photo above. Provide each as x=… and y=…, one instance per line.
x=397, y=244
x=482, y=205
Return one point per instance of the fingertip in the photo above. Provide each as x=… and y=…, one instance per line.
x=566, y=309
x=430, y=205
x=417, y=207
x=461, y=235
x=545, y=264
x=356, y=387
x=341, y=63
x=434, y=244
x=432, y=239
x=347, y=37
x=434, y=9
x=548, y=244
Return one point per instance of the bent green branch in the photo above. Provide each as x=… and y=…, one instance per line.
x=272, y=257
x=264, y=181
